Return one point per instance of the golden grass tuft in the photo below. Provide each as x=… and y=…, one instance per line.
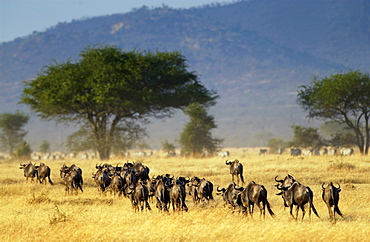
x=32, y=211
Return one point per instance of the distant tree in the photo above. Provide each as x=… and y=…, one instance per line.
x=107, y=88
x=45, y=147
x=12, y=132
x=306, y=137
x=168, y=147
x=196, y=136
x=275, y=144
x=343, y=99
x=24, y=151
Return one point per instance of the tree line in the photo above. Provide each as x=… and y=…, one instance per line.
x=111, y=94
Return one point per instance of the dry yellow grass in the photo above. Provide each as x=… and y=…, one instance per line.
x=30, y=212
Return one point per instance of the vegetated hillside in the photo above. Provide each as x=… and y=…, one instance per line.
x=255, y=53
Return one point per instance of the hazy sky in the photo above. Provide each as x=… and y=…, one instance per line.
x=19, y=18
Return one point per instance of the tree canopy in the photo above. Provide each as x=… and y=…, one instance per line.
x=107, y=87
x=12, y=132
x=341, y=98
x=196, y=136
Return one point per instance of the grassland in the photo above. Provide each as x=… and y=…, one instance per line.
x=31, y=211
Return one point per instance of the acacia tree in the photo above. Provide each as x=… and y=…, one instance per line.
x=107, y=87
x=196, y=136
x=12, y=132
x=343, y=99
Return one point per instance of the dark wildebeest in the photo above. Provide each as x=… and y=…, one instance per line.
x=256, y=194
x=30, y=171
x=263, y=152
x=330, y=195
x=116, y=184
x=178, y=194
x=139, y=197
x=236, y=169
x=141, y=171
x=101, y=178
x=295, y=152
x=43, y=172
x=130, y=180
x=299, y=195
x=65, y=170
x=72, y=181
x=201, y=190
x=162, y=192
x=231, y=195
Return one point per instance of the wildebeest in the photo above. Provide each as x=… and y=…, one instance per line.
x=130, y=180
x=141, y=171
x=178, y=194
x=230, y=195
x=298, y=195
x=201, y=189
x=330, y=195
x=139, y=197
x=101, y=179
x=30, y=171
x=256, y=194
x=116, y=184
x=295, y=152
x=262, y=152
x=162, y=192
x=43, y=172
x=65, y=170
x=72, y=181
x=236, y=169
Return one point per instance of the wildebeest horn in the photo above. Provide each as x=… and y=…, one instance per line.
x=227, y=163
x=223, y=189
x=338, y=186
x=322, y=185
x=279, y=188
x=278, y=180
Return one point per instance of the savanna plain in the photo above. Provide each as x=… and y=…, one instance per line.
x=33, y=211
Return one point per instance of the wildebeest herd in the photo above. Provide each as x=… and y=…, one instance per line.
x=132, y=180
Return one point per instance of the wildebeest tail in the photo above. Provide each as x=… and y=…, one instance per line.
x=336, y=210
x=311, y=202
x=241, y=177
x=50, y=181
x=269, y=208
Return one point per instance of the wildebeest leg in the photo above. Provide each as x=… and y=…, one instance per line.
x=303, y=212
x=147, y=205
x=262, y=209
x=291, y=212
x=49, y=181
x=331, y=216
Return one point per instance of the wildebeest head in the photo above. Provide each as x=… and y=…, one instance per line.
x=287, y=182
x=231, y=194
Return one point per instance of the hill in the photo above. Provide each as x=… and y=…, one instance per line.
x=255, y=53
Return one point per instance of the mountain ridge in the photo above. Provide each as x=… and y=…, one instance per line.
x=244, y=50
